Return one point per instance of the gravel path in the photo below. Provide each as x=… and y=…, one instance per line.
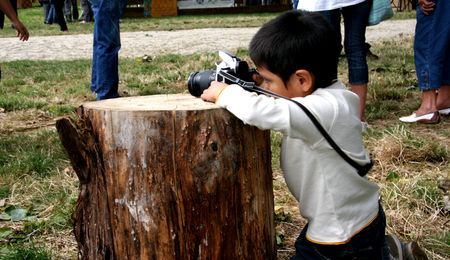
x=138, y=44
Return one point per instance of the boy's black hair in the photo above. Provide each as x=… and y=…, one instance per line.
x=297, y=40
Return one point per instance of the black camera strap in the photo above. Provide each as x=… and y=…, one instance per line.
x=250, y=86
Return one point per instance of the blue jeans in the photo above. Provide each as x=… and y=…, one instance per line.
x=355, y=23
x=368, y=244
x=105, y=59
x=432, y=46
x=51, y=17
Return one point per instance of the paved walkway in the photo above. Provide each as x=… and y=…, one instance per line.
x=138, y=44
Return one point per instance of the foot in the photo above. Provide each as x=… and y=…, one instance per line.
x=412, y=251
x=430, y=118
x=371, y=55
x=395, y=247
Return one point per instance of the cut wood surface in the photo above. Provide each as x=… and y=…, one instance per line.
x=169, y=177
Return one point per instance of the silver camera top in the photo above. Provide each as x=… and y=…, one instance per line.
x=229, y=61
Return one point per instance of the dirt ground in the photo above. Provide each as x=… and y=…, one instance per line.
x=138, y=44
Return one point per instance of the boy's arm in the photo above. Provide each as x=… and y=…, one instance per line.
x=259, y=110
x=22, y=31
x=212, y=93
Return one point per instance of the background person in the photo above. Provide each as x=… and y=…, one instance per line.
x=87, y=15
x=356, y=15
x=2, y=15
x=105, y=60
x=432, y=61
x=71, y=10
x=8, y=10
x=22, y=32
x=59, y=13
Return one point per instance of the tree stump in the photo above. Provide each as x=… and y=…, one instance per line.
x=169, y=177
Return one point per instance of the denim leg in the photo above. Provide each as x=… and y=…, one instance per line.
x=46, y=7
x=105, y=67
x=355, y=23
x=51, y=14
x=431, y=47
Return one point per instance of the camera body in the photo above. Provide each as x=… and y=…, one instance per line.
x=230, y=64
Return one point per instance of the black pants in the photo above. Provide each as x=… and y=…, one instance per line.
x=71, y=8
x=59, y=5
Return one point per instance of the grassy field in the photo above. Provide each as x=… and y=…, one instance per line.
x=33, y=18
x=38, y=188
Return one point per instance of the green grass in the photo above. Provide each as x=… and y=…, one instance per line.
x=33, y=19
x=25, y=253
x=26, y=154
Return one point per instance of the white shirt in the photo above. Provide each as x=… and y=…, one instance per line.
x=324, y=5
x=337, y=202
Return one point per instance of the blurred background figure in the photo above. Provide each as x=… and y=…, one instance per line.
x=59, y=6
x=71, y=10
x=46, y=6
x=87, y=15
x=8, y=10
x=2, y=14
x=432, y=61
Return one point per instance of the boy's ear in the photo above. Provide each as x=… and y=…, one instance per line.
x=305, y=80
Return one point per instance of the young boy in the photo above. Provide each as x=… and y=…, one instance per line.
x=295, y=56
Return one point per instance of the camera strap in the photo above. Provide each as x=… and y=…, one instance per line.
x=250, y=86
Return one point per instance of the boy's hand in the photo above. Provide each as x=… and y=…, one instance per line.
x=210, y=94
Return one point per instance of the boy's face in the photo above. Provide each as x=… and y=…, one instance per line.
x=275, y=84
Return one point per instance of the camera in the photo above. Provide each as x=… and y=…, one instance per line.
x=229, y=68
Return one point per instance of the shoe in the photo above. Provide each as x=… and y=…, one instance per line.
x=395, y=247
x=412, y=251
x=68, y=18
x=371, y=55
x=430, y=118
x=445, y=111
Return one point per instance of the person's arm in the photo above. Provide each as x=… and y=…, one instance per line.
x=22, y=31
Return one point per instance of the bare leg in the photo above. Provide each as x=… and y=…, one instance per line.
x=428, y=103
x=361, y=91
x=443, y=99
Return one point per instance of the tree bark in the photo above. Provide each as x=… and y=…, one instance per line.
x=169, y=177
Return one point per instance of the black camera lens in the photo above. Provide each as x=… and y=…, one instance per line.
x=199, y=81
